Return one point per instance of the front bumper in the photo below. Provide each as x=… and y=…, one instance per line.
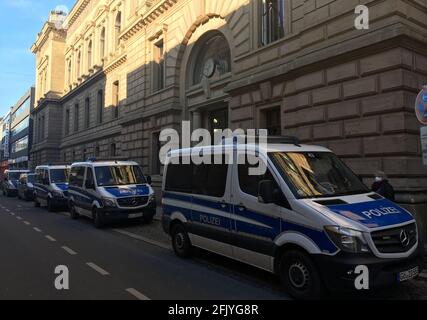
x=60, y=202
x=338, y=272
x=119, y=214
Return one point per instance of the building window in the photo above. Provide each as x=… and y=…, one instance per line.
x=116, y=101
x=272, y=20
x=159, y=66
x=118, y=28
x=87, y=113
x=97, y=151
x=102, y=44
x=100, y=107
x=272, y=121
x=69, y=72
x=155, y=154
x=67, y=122
x=78, y=67
x=113, y=151
x=76, y=117
x=43, y=127
x=89, y=54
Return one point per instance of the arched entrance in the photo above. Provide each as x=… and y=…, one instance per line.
x=207, y=72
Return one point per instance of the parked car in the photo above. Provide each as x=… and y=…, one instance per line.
x=111, y=191
x=10, y=182
x=51, y=187
x=308, y=218
x=26, y=186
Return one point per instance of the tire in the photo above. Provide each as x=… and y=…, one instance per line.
x=73, y=213
x=19, y=196
x=36, y=203
x=6, y=194
x=98, y=219
x=181, y=242
x=300, y=276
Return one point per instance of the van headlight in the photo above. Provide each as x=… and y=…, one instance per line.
x=348, y=240
x=109, y=202
x=152, y=198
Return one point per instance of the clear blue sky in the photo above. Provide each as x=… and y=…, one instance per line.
x=21, y=20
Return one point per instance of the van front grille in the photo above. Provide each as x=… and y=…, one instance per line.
x=132, y=202
x=396, y=240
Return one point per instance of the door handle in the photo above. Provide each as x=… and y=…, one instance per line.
x=241, y=207
x=223, y=204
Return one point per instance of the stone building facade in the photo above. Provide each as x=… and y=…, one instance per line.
x=119, y=71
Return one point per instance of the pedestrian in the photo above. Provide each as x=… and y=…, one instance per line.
x=382, y=186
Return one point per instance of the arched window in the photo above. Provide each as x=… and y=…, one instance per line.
x=102, y=44
x=89, y=54
x=69, y=71
x=118, y=28
x=78, y=67
x=212, y=59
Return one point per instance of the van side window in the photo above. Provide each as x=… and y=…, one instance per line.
x=179, y=177
x=249, y=184
x=210, y=180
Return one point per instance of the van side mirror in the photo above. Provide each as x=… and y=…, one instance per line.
x=149, y=180
x=266, y=191
x=89, y=185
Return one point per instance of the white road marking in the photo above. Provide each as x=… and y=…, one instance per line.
x=70, y=251
x=137, y=294
x=12, y=214
x=50, y=238
x=149, y=241
x=27, y=223
x=19, y=218
x=37, y=229
x=97, y=269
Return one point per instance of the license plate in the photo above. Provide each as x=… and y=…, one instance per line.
x=135, y=215
x=408, y=275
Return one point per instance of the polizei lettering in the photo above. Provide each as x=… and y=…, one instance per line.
x=380, y=212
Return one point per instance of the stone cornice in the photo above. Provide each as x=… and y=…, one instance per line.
x=147, y=17
x=77, y=11
x=116, y=63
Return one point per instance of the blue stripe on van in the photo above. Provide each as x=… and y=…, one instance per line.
x=274, y=226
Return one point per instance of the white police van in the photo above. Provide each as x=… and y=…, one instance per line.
x=51, y=187
x=308, y=218
x=110, y=191
x=10, y=182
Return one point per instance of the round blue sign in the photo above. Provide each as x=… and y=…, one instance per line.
x=421, y=106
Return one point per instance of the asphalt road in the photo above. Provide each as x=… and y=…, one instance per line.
x=102, y=264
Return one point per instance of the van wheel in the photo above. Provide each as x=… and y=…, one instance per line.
x=36, y=203
x=98, y=219
x=181, y=241
x=50, y=206
x=73, y=213
x=5, y=193
x=300, y=276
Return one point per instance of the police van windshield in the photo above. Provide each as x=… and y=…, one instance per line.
x=59, y=175
x=14, y=175
x=119, y=176
x=317, y=174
